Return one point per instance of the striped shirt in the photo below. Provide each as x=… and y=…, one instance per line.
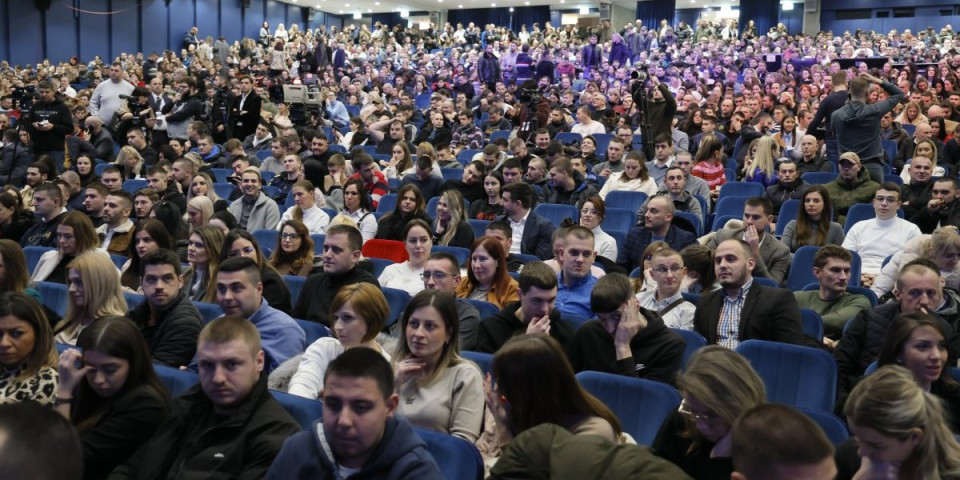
x=728, y=329
x=713, y=173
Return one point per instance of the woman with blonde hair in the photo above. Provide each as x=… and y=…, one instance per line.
x=75, y=236
x=130, y=163
x=199, y=211
x=29, y=366
x=942, y=246
x=900, y=431
x=911, y=115
x=438, y=389
x=94, y=292
x=202, y=185
x=358, y=312
x=451, y=227
x=762, y=168
x=717, y=386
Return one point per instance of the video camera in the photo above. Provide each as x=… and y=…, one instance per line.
x=23, y=97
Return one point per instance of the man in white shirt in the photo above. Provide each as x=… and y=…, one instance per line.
x=587, y=126
x=531, y=233
x=667, y=270
x=880, y=237
x=116, y=233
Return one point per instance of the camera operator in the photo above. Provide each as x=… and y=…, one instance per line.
x=48, y=122
x=135, y=113
x=536, y=108
x=661, y=107
x=222, y=114
x=186, y=107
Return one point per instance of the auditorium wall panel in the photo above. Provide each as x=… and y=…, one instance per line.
x=62, y=41
x=108, y=27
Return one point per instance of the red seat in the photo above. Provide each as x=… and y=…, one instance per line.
x=387, y=249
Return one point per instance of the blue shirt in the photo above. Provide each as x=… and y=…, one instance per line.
x=728, y=330
x=575, y=299
x=280, y=336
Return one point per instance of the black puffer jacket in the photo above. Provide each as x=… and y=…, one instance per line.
x=195, y=442
x=173, y=338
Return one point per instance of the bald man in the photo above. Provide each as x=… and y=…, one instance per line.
x=99, y=137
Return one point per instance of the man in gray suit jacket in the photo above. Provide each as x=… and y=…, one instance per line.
x=773, y=258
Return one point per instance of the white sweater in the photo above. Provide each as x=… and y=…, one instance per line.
x=315, y=219
x=604, y=244
x=877, y=239
x=307, y=382
x=402, y=277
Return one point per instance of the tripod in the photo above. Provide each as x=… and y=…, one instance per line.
x=643, y=106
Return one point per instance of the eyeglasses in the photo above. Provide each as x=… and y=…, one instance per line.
x=438, y=276
x=289, y=236
x=696, y=417
x=672, y=269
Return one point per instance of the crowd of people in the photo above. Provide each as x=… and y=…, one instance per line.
x=192, y=178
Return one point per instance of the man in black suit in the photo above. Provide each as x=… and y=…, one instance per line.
x=246, y=110
x=535, y=232
x=736, y=312
x=161, y=103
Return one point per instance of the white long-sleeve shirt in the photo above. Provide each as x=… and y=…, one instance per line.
x=307, y=382
x=314, y=218
x=877, y=239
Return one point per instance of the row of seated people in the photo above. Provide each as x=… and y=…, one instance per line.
x=717, y=386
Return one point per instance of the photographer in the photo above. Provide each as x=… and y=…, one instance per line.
x=135, y=113
x=48, y=122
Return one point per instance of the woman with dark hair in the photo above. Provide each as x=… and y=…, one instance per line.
x=14, y=219
x=487, y=276
x=701, y=276
x=357, y=207
x=410, y=206
x=406, y=275
x=224, y=221
x=110, y=392
x=492, y=206
x=28, y=364
x=532, y=383
x=813, y=225
x=75, y=236
x=295, y=251
x=917, y=341
x=438, y=389
x=148, y=236
x=85, y=168
x=592, y=212
x=240, y=243
x=169, y=214
x=203, y=255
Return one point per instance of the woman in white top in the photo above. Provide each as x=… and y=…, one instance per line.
x=94, y=292
x=357, y=207
x=359, y=312
x=406, y=276
x=281, y=33
x=400, y=163
x=592, y=212
x=305, y=209
x=438, y=389
x=75, y=236
x=633, y=178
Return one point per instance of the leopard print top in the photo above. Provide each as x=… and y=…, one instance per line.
x=40, y=388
